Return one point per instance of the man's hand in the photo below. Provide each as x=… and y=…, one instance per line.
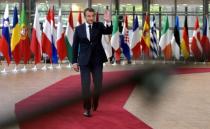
x=107, y=16
x=76, y=67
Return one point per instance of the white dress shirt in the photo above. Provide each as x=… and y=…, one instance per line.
x=87, y=30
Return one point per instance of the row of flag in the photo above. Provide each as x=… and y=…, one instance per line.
x=53, y=41
x=57, y=43
x=174, y=46
x=171, y=44
x=18, y=45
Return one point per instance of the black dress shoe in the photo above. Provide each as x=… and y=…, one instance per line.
x=87, y=113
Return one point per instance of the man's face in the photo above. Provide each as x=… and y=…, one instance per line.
x=90, y=17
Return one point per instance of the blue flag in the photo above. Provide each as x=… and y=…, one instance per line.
x=154, y=41
x=125, y=48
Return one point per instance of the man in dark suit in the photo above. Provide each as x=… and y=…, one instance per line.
x=89, y=56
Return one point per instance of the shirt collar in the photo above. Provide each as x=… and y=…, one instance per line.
x=87, y=25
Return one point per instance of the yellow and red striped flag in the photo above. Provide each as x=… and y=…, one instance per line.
x=185, y=41
x=145, y=39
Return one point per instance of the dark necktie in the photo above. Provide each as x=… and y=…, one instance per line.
x=90, y=31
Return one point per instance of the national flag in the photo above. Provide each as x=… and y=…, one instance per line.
x=106, y=39
x=61, y=46
x=175, y=42
x=115, y=39
x=49, y=36
x=5, y=39
x=205, y=39
x=53, y=37
x=15, y=39
x=185, y=41
x=24, y=38
x=107, y=45
x=125, y=30
x=36, y=39
x=135, y=39
x=79, y=19
x=125, y=48
x=97, y=16
x=165, y=40
x=69, y=36
x=196, y=46
x=153, y=39
x=145, y=39
x=124, y=39
x=46, y=36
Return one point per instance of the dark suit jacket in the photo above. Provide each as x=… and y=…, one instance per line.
x=84, y=50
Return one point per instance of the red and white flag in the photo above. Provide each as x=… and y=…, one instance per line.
x=196, y=46
x=61, y=46
x=36, y=39
x=46, y=36
x=49, y=36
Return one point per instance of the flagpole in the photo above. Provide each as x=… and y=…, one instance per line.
x=143, y=58
x=204, y=62
x=142, y=62
x=154, y=61
x=114, y=64
x=59, y=65
x=134, y=61
x=174, y=61
x=34, y=68
x=195, y=62
x=15, y=69
x=69, y=65
x=123, y=62
x=184, y=61
x=204, y=58
x=164, y=60
x=4, y=69
x=24, y=68
x=51, y=66
x=44, y=68
x=0, y=61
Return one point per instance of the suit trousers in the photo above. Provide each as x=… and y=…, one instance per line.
x=96, y=70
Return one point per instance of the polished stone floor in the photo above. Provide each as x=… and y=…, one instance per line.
x=185, y=104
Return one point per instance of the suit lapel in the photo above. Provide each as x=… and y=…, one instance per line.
x=84, y=30
x=94, y=29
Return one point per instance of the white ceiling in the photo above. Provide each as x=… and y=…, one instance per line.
x=169, y=2
x=161, y=2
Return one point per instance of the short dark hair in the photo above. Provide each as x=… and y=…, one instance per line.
x=89, y=10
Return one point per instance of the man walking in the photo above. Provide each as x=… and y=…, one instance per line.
x=89, y=56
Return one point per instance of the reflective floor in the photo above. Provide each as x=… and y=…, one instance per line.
x=184, y=104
